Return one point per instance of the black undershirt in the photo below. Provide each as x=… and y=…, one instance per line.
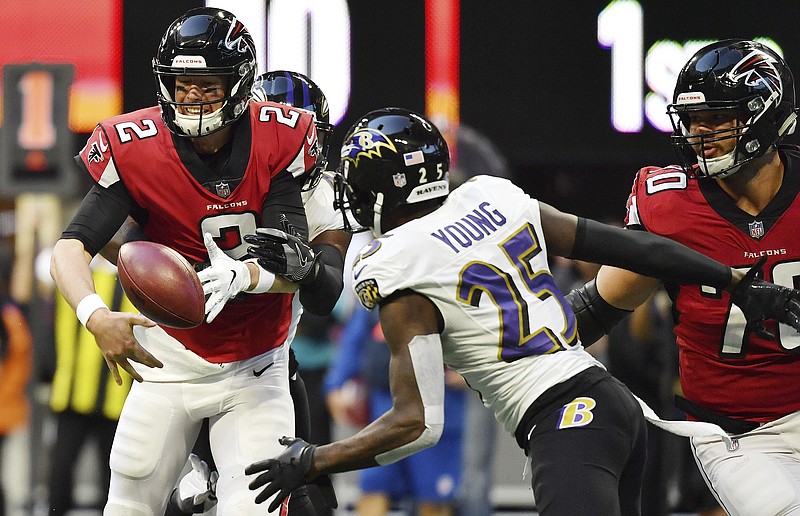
x=103, y=210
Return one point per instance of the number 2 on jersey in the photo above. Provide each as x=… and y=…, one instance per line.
x=517, y=340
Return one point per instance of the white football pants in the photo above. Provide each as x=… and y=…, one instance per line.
x=761, y=476
x=160, y=423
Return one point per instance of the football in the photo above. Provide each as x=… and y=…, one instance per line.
x=161, y=283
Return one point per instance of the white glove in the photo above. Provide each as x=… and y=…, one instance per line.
x=222, y=280
x=198, y=487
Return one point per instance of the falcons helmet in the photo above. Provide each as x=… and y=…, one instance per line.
x=204, y=41
x=746, y=78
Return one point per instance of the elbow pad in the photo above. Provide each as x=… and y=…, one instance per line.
x=320, y=294
x=594, y=315
x=426, y=357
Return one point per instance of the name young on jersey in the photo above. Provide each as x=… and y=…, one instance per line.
x=472, y=227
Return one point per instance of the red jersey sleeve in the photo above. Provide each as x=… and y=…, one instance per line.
x=97, y=157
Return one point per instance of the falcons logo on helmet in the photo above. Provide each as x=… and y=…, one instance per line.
x=235, y=37
x=758, y=67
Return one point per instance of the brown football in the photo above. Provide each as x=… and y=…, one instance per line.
x=162, y=284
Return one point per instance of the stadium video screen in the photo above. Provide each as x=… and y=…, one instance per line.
x=84, y=33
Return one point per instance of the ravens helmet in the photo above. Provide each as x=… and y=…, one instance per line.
x=390, y=158
x=205, y=41
x=297, y=90
x=746, y=78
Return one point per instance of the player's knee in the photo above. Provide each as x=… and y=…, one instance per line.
x=776, y=493
x=234, y=495
x=139, y=443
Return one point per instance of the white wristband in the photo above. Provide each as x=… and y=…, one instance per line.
x=265, y=279
x=87, y=307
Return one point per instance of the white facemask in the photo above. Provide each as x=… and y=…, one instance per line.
x=190, y=124
x=720, y=167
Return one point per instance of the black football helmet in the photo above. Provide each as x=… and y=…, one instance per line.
x=205, y=41
x=750, y=80
x=297, y=90
x=390, y=157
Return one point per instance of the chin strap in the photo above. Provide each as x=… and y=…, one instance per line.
x=198, y=125
x=377, y=208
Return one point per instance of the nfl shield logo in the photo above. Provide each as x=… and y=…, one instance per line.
x=756, y=229
x=399, y=180
x=223, y=189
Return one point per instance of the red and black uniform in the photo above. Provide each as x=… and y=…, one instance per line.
x=724, y=368
x=154, y=176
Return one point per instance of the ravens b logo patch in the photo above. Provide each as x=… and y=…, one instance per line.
x=367, y=292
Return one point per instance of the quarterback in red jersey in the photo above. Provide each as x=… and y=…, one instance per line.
x=735, y=198
x=197, y=173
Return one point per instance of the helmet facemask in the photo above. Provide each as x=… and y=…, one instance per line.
x=690, y=145
x=232, y=104
x=204, y=42
x=324, y=132
x=356, y=206
x=752, y=82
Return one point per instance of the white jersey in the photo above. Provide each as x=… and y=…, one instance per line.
x=321, y=217
x=318, y=203
x=482, y=259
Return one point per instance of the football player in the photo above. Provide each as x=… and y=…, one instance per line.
x=197, y=172
x=463, y=278
x=318, y=292
x=735, y=198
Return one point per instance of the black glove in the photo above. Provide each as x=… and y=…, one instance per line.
x=287, y=472
x=283, y=254
x=760, y=300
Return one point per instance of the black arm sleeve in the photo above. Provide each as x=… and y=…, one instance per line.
x=320, y=295
x=594, y=315
x=100, y=215
x=647, y=254
x=285, y=203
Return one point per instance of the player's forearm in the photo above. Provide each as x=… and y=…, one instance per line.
x=69, y=268
x=320, y=295
x=386, y=433
x=623, y=289
x=283, y=286
x=647, y=254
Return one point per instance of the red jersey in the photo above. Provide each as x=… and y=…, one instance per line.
x=722, y=367
x=137, y=149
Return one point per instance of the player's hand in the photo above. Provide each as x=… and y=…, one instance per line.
x=761, y=300
x=196, y=491
x=113, y=332
x=287, y=472
x=222, y=280
x=284, y=254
